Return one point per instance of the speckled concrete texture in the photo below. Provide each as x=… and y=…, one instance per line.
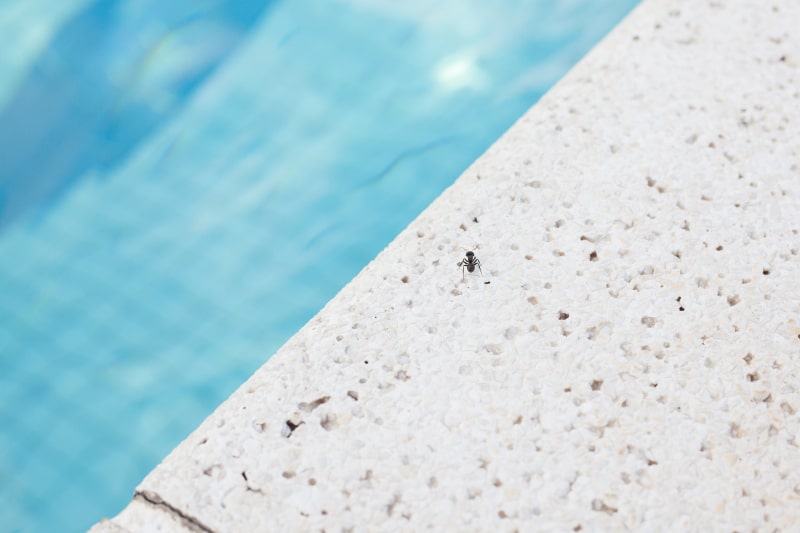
x=107, y=526
x=629, y=359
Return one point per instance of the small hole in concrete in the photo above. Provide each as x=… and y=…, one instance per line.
x=328, y=422
x=404, y=279
x=599, y=505
x=310, y=406
x=292, y=426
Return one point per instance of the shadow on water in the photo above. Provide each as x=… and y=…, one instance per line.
x=110, y=76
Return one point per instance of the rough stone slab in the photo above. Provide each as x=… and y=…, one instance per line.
x=629, y=357
x=107, y=526
x=151, y=514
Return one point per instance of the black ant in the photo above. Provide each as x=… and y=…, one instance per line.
x=469, y=263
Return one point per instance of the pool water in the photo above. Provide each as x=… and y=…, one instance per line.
x=184, y=184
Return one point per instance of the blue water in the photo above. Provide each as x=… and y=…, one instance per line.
x=184, y=184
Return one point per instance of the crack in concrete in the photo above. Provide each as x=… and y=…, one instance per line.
x=157, y=501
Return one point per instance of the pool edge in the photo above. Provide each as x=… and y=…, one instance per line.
x=209, y=488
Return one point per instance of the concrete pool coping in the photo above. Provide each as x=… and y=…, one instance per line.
x=628, y=358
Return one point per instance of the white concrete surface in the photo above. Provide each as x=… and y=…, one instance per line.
x=629, y=359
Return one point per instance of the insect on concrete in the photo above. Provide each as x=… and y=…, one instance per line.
x=469, y=263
